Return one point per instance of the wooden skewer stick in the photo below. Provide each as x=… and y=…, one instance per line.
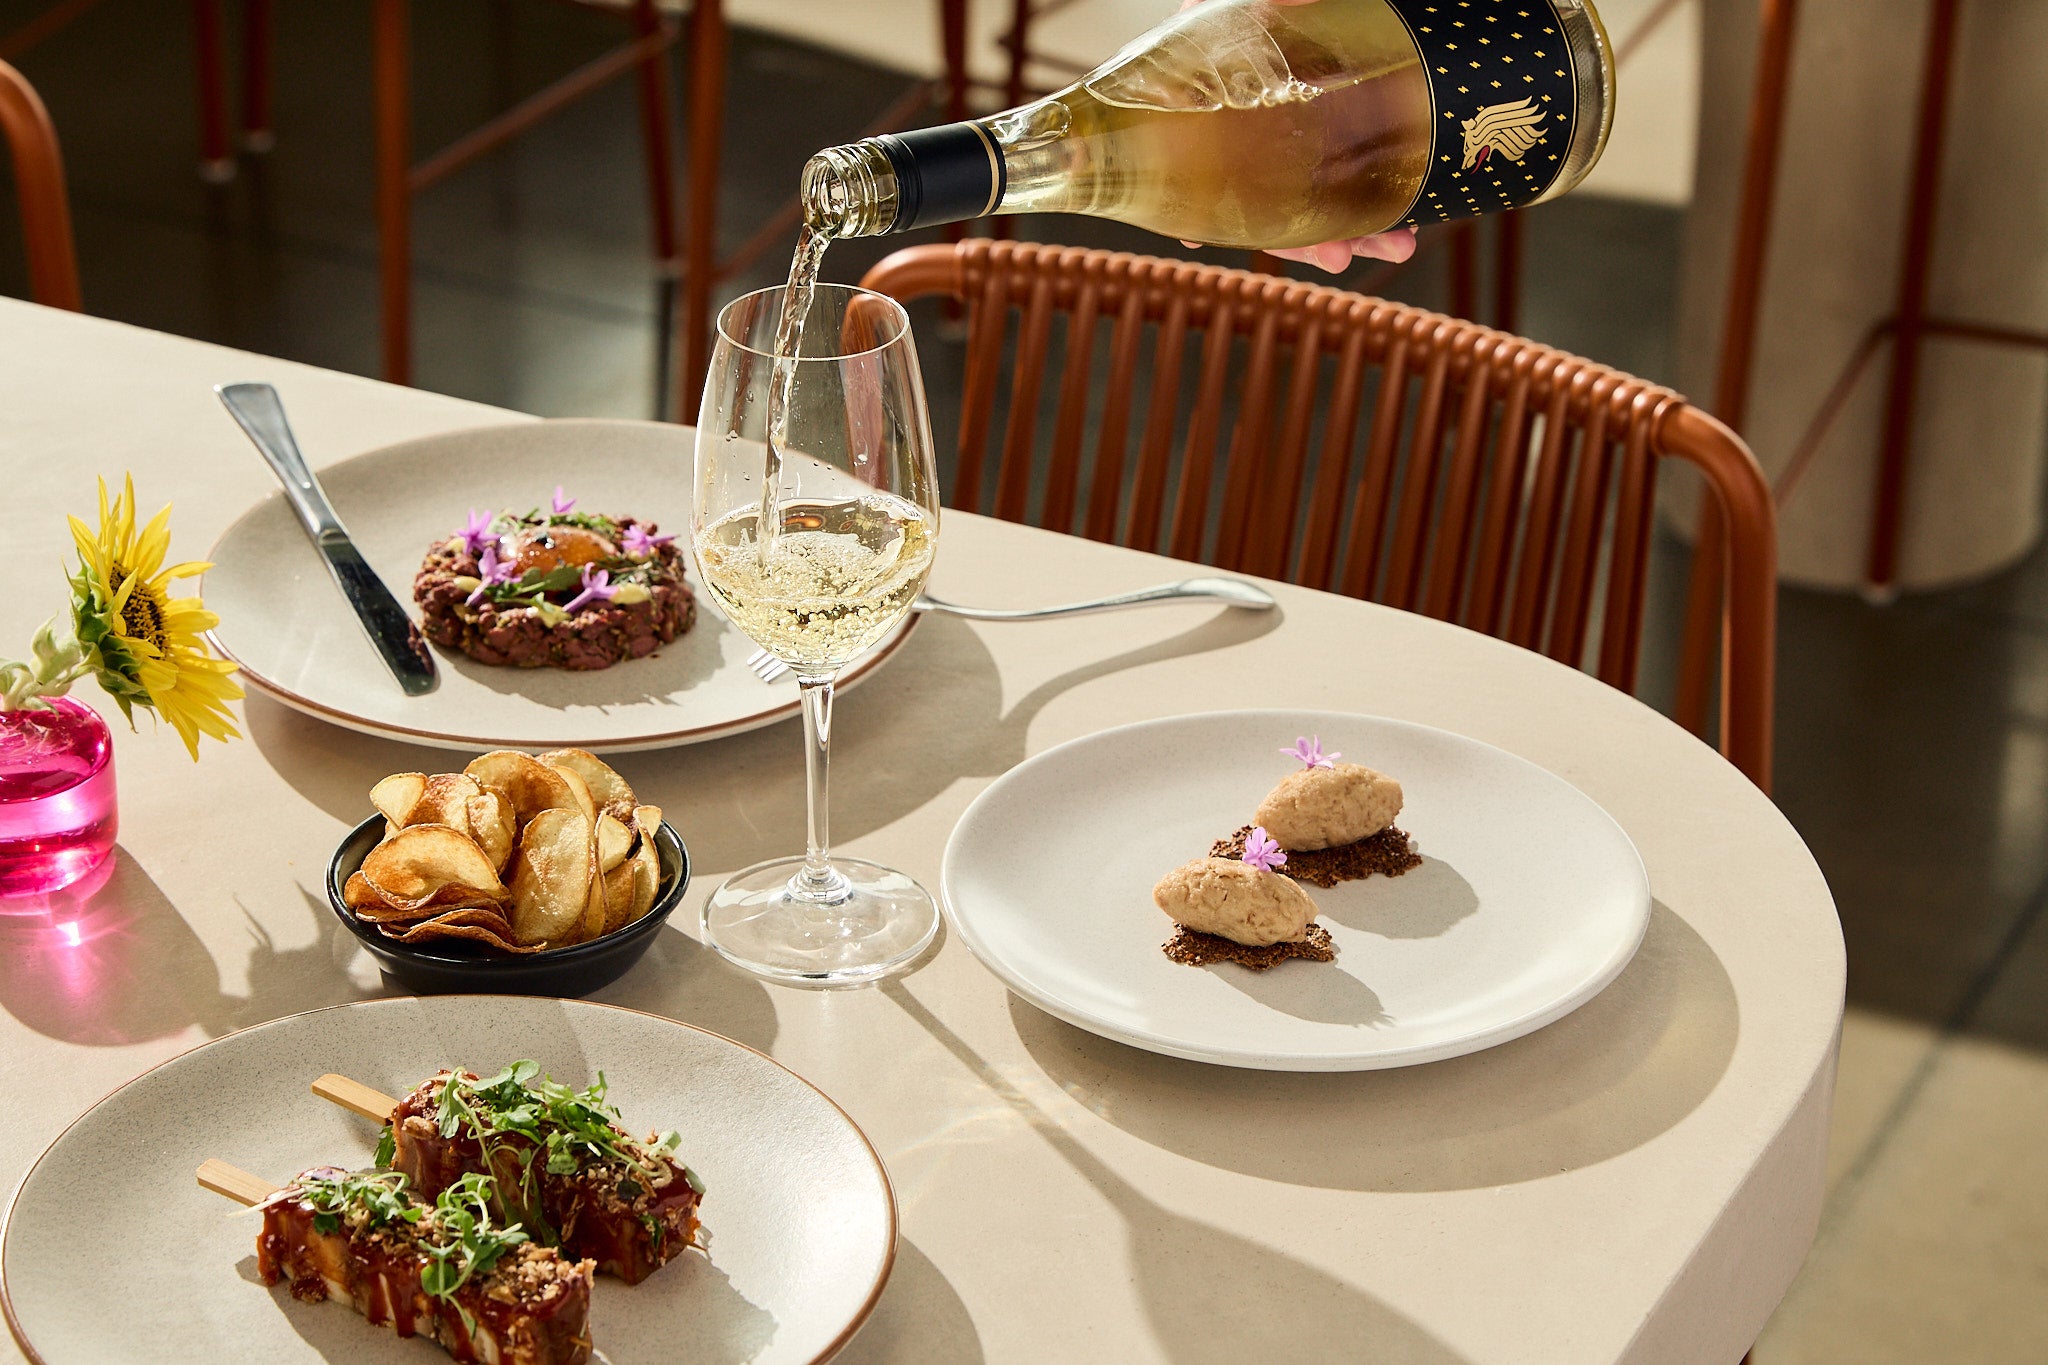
x=234, y=1182
x=357, y=1098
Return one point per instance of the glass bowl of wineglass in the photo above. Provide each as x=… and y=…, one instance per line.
x=816, y=517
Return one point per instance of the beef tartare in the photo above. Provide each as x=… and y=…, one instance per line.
x=554, y=588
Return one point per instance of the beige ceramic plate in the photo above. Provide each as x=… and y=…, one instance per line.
x=1529, y=899
x=112, y=1253
x=293, y=634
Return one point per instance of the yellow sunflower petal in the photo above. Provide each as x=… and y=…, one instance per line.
x=146, y=556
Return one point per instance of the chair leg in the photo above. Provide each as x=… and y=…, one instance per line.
x=391, y=81
x=707, y=127
x=1464, y=269
x=216, y=161
x=953, y=43
x=657, y=136
x=1507, y=280
x=258, y=64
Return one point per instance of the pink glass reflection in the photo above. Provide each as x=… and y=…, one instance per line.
x=57, y=813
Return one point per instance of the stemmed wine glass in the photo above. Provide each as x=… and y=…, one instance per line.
x=849, y=499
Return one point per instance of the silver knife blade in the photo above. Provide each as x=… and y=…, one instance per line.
x=260, y=413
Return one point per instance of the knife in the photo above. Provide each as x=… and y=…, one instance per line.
x=398, y=643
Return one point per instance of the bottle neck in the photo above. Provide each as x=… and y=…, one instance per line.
x=902, y=181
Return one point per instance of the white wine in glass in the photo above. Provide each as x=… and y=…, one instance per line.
x=816, y=517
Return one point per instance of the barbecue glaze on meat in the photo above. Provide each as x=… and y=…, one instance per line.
x=629, y=1222
x=531, y=1308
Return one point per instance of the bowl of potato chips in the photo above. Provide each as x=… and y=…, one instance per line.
x=540, y=874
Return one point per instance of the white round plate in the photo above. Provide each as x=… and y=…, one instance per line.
x=283, y=620
x=111, y=1251
x=1530, y=899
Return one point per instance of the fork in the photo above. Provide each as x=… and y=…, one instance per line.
x=1234, y=591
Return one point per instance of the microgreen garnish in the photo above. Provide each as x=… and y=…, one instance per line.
x=562, y=1131
x=467, y=1242
x=1263, y=851
x=1309, y=749
x=371, y=1198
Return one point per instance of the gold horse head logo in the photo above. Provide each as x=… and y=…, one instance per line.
x=1510, y=129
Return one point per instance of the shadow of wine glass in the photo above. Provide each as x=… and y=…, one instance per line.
x=1608, y=1077
x=885, y=764
x=679, y=978
x=1211, y=1296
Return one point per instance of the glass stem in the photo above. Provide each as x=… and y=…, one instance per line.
x=819, y=881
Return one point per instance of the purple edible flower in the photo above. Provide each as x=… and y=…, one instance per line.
x=476, y=534
x=597, y=587
x=491, y=571
x=563, y=504
x=1309, y=749
x=1262, y=851
x=637, y=543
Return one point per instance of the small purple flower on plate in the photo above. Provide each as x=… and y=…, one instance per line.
x=637, y=543
x=1309, y=749
x=1263, y=851
x=597, y=587
x=491, y=571
x=563, y=503
x=476, y=533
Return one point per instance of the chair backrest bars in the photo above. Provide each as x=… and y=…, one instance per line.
x=39, y=183
x=1352, y=444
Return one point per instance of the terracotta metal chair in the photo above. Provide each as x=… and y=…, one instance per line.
x=1500, y=483
x=39, y=184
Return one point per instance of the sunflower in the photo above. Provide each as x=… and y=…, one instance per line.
x=143, y=644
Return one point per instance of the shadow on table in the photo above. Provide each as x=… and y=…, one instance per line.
x=1210, y=1295
x=681, y=979
x=933, y=716
x=1606, y=1078
x=921, y=1317
x=110, y=961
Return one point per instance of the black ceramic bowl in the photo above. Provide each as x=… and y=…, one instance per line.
x=456, y=965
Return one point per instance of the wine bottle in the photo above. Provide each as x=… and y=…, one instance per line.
x=1246, y=123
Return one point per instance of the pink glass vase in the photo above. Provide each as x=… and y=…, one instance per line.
x=57, y=810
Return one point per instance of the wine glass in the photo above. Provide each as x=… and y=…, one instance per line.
x=851, y=510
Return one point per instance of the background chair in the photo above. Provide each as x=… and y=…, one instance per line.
x=39, y=185
x=1356, y=445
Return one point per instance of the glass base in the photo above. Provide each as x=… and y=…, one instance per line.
x=868, y=923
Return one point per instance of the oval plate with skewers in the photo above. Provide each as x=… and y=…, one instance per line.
x=800, y=1205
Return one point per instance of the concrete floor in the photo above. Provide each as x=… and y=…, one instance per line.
x=1913, y=740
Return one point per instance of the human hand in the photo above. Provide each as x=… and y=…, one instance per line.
x=1397, y=245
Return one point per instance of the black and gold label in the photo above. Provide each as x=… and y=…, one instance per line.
x=1505, y=94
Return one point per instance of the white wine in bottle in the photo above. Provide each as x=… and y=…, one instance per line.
x=1246, y=123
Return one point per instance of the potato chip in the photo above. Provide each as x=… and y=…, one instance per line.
x=420, y=863
x=593, y=908
x=646, y=865
x=397, y=794
x=444, y=801
x=614, y=841
x=427, y=930
x=607, y=788
x=493, y=825
x=363, y=900
x=531, y=785
x=552, y=871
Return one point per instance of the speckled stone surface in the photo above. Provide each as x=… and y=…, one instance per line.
x=113, y=1253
